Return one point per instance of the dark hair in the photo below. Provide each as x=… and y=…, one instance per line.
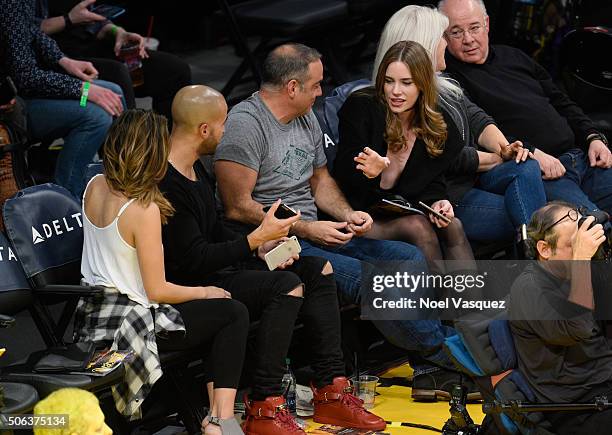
x=287, y=62
x=541, y=220
x=428, y=123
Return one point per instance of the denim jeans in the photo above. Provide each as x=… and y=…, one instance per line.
x=83, y=131
x=503, y=199
x=423, y=338
x=582, y=185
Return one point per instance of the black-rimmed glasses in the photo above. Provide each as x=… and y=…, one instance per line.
x=573, y=214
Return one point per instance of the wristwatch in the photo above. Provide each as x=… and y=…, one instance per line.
x=598, y=136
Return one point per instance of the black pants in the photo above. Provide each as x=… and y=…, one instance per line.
x=164, y=75
x=265, y=294
x=216, y=325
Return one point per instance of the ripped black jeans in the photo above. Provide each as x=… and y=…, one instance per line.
x=265, y=295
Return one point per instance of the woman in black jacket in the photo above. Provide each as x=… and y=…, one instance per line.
x=396, y=140
x=491, y=178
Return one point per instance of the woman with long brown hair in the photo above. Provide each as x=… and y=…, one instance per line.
x=397, y=142
x=123, y=212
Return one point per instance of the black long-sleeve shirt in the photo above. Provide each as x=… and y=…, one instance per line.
x=196, y=243
x=523, y=99
x=361, y=124
x=30, y=57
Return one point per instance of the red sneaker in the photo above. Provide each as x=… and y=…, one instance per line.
x=270, y=417
x=335, y=404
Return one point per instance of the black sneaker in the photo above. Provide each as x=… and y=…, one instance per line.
x=429, y=387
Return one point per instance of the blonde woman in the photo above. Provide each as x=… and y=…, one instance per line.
x=123, y=213
x=491, y=176
x=396, y=140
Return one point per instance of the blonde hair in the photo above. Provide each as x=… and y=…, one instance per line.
x=425, y=26
x=428, y=123
x=136, y=153
x=76, y=403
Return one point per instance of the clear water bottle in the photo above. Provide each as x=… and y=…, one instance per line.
x=289, y=384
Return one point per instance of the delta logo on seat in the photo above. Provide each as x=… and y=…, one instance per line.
x=57, y=227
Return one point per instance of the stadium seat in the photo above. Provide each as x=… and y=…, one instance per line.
x=45, y=228
x=484, y=349
x=279, y=21
x=587, y=75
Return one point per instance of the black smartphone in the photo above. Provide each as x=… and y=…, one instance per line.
x=109, y=11
x=282, y=212
x=8, y=91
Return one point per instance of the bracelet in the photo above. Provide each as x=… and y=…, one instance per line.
x=67, y=21
x=84, y=94
x=114, y=29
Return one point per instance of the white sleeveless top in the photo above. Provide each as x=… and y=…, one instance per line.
x=110, y=261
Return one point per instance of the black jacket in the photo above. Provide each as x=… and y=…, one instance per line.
x=523, y=99
x=362, y=123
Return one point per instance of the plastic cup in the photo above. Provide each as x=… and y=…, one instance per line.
x=365, y=389
x=151, y=44
x=130, y=55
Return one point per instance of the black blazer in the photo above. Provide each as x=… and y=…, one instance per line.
x=361, y=124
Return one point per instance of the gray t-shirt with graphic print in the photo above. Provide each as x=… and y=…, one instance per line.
x=284, y=155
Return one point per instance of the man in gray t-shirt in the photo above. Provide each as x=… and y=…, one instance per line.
x=272, y=148
x=284, y=155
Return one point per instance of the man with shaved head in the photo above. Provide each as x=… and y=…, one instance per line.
x=520, y=95
x=200, y=250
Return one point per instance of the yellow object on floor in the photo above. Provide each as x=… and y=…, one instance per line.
x=394, y=404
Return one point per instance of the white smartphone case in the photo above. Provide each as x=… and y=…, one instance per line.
x=282, y=253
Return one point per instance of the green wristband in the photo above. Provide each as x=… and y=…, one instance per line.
x=114, y=29
x=84, y=94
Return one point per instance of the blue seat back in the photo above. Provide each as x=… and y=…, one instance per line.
x=44, y=226
x=327, y=115
x=11, y=272
x=15, y=293
x=92, y=170
x=484, y=347
x=334, y=102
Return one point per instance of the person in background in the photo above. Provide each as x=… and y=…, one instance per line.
x=83, y=34
x=574, y=157
x=491, y=176
x=123, y=213
x=63, y=97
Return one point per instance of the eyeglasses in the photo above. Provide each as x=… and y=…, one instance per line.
x=573, y=214
x=473, y=30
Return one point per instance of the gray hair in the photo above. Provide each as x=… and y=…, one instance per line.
x=425, y=26
x=288, y=62
x=480, y=3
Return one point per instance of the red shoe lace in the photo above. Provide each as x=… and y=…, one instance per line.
x=353, y=402
x=287, y=421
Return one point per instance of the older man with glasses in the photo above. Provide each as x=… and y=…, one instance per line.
x=561, y=348
x=520, y=95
